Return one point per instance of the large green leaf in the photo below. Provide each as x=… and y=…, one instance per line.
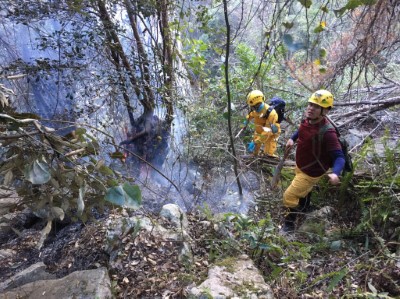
x=134, y=196
x=105, y=170
x=125, y=196
x=115, y=195
x=37, y=172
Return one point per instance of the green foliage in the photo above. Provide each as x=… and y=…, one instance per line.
x=335, y=278
x=203, y=17
x=125, y=196
x=195, y=50
x=322, y=53
x=319, y=28
x=56, y=177
x=353, y=4
x=248, y=65
x=305, y=3
x=379, y=204
x=37, y=172
x=205, y=209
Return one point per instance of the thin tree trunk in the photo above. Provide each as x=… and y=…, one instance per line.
x=228, y=93
x=167, y=59
x=143, y=59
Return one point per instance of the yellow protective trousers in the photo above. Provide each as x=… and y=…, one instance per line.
x=269, y=139
x=301, y=185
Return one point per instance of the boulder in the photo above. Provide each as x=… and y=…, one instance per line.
x=174, y=214
x=240, y=279
x=86, y=284
x=33, y=273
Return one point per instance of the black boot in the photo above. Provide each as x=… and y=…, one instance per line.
x=304, y=203
x=290, y=220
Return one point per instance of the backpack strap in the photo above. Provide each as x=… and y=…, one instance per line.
x=318, y=142
x=325, y=128
x=269, y=110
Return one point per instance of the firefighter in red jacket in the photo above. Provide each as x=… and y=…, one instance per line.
x=314, y=157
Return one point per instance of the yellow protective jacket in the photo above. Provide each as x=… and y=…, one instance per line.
x=260, y=121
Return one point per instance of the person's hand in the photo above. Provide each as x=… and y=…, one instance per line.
x=289, y=146
x=333, y=179
x=251, y=147
x=274, y=129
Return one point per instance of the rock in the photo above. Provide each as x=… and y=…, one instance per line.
x=381, y=145
x=241, y=279
x=324, y=212
x=78, y=285
x=30, y=274
x=355, y=137
x=175, y=215
x=317, y=222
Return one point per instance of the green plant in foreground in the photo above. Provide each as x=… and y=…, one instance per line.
x=56, y=177
x=379, y=203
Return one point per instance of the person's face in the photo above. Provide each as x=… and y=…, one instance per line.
x=313, y=111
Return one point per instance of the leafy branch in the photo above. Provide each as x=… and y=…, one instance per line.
x=56, y=176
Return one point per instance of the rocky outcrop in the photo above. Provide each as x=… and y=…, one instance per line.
x=78, y=285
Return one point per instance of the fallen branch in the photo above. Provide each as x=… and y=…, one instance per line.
x=35, y=122
x=375, y=101
x=363, y=112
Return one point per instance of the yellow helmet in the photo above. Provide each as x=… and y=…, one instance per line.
x=255, y=97
x=322, y=98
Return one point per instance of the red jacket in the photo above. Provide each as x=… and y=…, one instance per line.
x=314, y=156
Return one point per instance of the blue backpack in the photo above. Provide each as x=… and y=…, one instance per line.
x=278, y=104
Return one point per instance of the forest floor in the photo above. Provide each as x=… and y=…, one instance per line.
x=295, y=266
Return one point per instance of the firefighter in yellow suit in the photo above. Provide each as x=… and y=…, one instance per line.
x=267, y=128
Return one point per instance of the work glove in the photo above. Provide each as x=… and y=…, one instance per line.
x=251, y=147
x=274, y=128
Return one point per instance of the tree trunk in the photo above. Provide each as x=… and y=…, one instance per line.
x=120, y=59
x=167, y=58
x=143, y=59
